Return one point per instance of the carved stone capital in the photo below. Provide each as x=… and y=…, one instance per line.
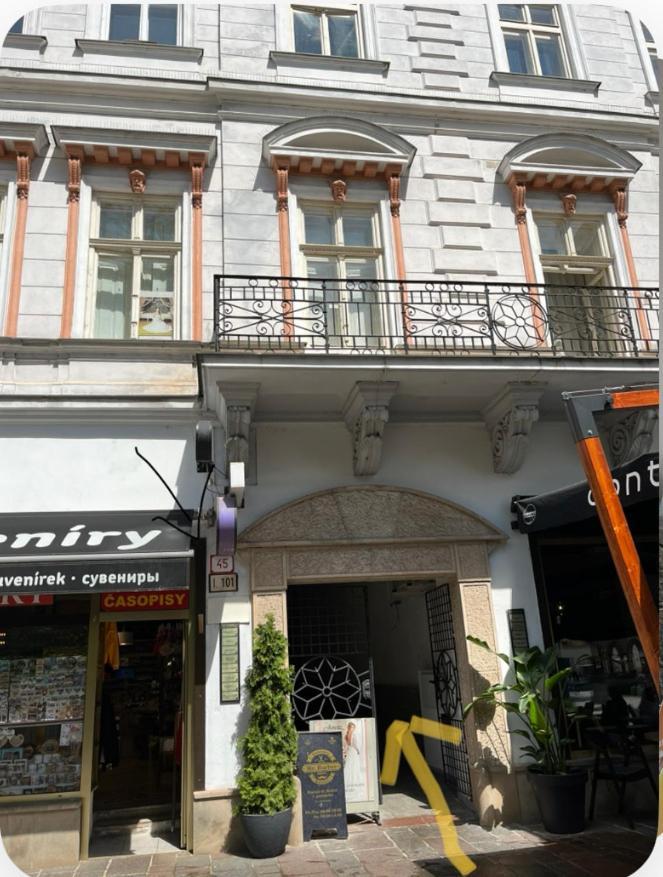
x=137, y=181
x=73, y=178
x=366, y=413
x=197, y=171
x=239, y=403
x=631, y=435
x=509, y=419
x=394, y=188
x=519, y=195
x=619, y=200
x=281, y=172
x=22, y=176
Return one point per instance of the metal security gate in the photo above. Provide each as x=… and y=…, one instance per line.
x=455, y=762
x=328, y=647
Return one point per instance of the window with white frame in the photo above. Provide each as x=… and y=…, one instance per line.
x=341, y=245
x=533, y=39
x=134, y=268
x=651, y=51
x=154, y=23
x=17, y=26
x=329, y=30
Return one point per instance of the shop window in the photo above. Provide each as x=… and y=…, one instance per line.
x=341, y=252
x=329, y=31
x=134, y=269
x=533, y=39
x=154, y=23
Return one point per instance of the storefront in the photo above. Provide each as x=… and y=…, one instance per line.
x=96, y=676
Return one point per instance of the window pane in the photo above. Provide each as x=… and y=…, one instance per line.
x=115, y=222
x=511, y=12
x=518, y=53
x=162, y=25
x=159, y=224
x=321, y=268
x=156, y=317
x=17, y=26
x=343, y=35
x=357, y=230
x=552, y=239
x=587, y=239
x=113, y=302
x=361, y=269
x=157, y=274
x=307, y=32
x=550, y=56
x=124, y=21
x=318, y=228
x=542, y=14
x=648, y=34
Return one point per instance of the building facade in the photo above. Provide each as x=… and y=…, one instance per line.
x=372, y=245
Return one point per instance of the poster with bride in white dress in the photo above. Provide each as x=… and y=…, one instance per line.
x=360, y=764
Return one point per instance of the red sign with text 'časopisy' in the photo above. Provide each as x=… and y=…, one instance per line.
x=144, y=601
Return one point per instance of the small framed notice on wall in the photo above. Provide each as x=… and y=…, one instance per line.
x=518, y=630
x=229, y=670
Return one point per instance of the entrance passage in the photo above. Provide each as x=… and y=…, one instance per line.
x=383, y=649
x=138, y=716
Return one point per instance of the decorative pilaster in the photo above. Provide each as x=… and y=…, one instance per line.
x=632, y=435
x=366, y=413
x=197, y=171
x=394, y=187
x=18, y=243
x=509, y=419
x=281, y=171
x=74, y=164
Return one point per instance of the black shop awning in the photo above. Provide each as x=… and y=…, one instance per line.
x=635, y=482
x=87, y=552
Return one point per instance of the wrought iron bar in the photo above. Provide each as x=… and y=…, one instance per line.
x=365, y=316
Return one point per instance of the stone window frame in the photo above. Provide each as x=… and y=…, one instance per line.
x=137, y=248
x=646, y=51
x=97, y=28
x=577, y=67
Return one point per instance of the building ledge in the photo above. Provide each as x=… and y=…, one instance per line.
x=140, y=49
x=553, y=83
x=25, y=41
x=329, y=62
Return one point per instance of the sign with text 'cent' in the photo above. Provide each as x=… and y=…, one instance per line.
x=320, y=770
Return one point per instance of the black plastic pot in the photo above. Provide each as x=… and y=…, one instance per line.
x=561, y=800
x=266, y=836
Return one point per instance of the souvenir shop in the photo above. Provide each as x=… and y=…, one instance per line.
x=95, y=677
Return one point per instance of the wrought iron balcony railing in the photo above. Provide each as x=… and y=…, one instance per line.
x=385, y=316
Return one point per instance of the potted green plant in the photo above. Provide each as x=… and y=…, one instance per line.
x=532, y=695
x=266, y=788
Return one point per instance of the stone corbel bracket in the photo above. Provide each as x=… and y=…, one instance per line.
x=239, y=404
x=366, y=413
x=509, y=419
x=632, y=435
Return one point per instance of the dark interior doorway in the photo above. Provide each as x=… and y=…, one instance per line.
x=139, y=719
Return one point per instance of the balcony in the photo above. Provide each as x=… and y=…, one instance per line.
x=314, y=316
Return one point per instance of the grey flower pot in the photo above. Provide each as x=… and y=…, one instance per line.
x=561, y=800
x=266, y=836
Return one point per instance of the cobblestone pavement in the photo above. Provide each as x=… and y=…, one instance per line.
x=405, y=850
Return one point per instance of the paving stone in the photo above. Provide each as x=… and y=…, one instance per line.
x=92, y=867
x=128, y=866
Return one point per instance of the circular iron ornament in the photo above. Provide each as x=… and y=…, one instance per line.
x=446, y=685
x=519, y=321
x=326, y=688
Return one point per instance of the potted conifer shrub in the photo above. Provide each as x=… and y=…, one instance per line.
x=532, y=695
x=266, y=788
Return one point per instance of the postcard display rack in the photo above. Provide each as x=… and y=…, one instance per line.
x=42, y=700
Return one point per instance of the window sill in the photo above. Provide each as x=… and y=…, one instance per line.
x=552, y=83
x=26, y=41
x=139, y=49
x=329, y=62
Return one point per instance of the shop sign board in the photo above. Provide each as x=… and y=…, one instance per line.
x=361, y=767
x=89, y=577
x=145, y=601
x=320, y=770
x=219, y=584
x=222, y=563
x=26, y=600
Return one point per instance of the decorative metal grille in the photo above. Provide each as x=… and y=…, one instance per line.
x=303, y=315
x=329, y=651
x=455, y=762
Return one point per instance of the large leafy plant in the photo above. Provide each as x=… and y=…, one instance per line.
x=269, y=747
x=532, y=696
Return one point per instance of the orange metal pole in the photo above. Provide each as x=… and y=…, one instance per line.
x=622, y=548
x=634, y=398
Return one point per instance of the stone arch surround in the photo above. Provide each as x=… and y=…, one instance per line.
x=372, y=533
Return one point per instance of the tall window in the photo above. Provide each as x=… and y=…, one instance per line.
x=135, y=268
x=533, y=39
x=651, y=49
x=3, y=208
x=134, y=21
x=342, y=245
x=329, y=31
x=17, y=26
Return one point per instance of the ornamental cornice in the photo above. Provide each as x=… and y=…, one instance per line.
x=509, y=419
